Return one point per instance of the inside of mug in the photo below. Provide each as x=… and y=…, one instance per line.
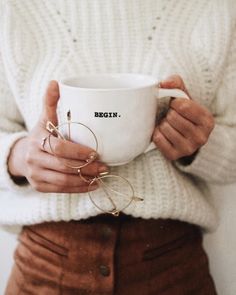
x=111, y=81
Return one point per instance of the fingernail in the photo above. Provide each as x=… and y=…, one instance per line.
x=92, y=156
x=103, y=170
x=103, y=173
x=166, y=80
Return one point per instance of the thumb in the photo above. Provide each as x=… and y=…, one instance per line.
x=49, y=112
x=174, y=81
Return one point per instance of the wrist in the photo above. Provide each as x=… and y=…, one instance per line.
x=15, y=161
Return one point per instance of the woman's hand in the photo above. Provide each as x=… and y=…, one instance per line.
x=44, y=171
x=185, y=128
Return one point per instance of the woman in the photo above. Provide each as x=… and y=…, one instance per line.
x=154, y=247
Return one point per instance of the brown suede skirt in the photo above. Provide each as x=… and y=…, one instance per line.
x=111, y=255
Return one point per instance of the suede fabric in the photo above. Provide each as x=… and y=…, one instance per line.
x=111, y=255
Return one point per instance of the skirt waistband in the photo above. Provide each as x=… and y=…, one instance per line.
x=100, y=227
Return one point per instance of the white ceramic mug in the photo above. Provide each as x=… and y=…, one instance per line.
x=119, y=108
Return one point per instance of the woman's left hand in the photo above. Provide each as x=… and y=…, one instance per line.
x=186, y=127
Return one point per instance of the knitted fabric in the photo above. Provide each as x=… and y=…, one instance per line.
x=45, y=40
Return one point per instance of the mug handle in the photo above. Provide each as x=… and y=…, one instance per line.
x=161, y=93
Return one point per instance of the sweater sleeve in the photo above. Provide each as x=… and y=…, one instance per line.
x=216, y=161
x=11, y=129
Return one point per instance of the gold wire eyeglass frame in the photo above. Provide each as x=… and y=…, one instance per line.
x=55, y=131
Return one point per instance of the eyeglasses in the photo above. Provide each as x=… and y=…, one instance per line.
x=114, y=193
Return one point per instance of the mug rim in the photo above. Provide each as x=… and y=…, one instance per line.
x=152, y=81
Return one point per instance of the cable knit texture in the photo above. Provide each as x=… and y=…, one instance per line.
x=44, y=40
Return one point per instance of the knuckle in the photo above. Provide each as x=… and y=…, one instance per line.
x=31, y=174
x=189, y=149
x=157, y=137
x=201, y=139
x=53, y=93
x=186, y=129
x=78, y=154
x=195, y=146
x=183, y=106
x=58, y=147
x=65, y=180
x=37, y=186
x=204, y=139
x=210, y=123
x=63, y=167
x=171, y=116
x=164, y=125
x=29, y=156
x=161, y=129
x=51, y=90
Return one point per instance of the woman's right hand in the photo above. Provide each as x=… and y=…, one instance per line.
x=44, y=171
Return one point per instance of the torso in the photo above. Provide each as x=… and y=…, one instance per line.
x=53, y=39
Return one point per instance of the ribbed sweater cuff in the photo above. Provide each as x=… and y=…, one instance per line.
x=214, y=158
x=6, y=181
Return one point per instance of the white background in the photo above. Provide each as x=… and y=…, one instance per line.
x=220, y=246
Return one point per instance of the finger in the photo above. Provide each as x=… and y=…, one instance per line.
x=50, y=102
x=165, y=147
x=191, y=110
x=50, y=188
x=58, y=178
x=182, y=125
x=66, y=149
x=48, y=161
x=189, y=130
x=174, y=81
x=180, y=143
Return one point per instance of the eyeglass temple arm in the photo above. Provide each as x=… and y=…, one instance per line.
x=135, y=198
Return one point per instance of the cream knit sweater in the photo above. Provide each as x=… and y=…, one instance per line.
x=53, y=39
